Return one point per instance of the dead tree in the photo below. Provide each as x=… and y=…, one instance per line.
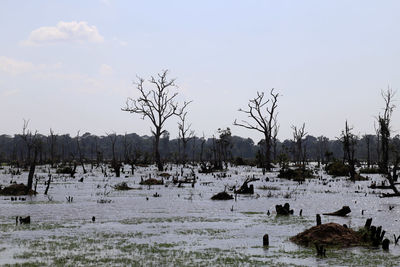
x=367, y=138
x=384, y=121
x=224, y=144
x=349, y=142
x=157, y=105
x=80, y=152
x=275, y=139
x=33, y=143
x=52, y=140
x=298, y=136
x=203, y=141
x=185, y=133
x=322, y=142
x=193, y=147
x=378, y=143
x=115, y=164
x=263, y=113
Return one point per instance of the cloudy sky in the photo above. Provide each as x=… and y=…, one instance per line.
x=69, y=65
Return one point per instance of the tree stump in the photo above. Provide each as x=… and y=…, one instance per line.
x=318, y=219
x=368, y=223
x=385, y=244
x=265, y=240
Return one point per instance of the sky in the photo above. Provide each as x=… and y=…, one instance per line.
x=70, y=65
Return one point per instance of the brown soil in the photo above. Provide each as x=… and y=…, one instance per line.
x=328, y=234
x=16, y=190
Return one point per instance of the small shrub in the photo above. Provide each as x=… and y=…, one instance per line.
x=370, y=170
x=64, y=170
x=337, y=168
x=122, y=186
x=295, y=174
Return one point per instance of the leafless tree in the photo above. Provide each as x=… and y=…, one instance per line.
x=368, y=138
x=203, y=141
x=322, y=142
x=115, y=164
x=275, y=138
x=384, y=122
x=298, y=135
x=157, y=105
x=52, y=141
x=263, y=114
x=33, y=143
x=185, y=133
x=80, y=152
x=349, y=142
x=378, y=143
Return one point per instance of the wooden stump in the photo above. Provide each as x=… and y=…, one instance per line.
x=385, y=244
x=368, y=223
x=265, y=240
x=318, y=219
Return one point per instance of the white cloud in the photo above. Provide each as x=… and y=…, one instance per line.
x=106, y=70
x=13, y=66
x=65, y=32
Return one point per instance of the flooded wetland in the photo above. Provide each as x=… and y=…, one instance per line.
x=88, y=222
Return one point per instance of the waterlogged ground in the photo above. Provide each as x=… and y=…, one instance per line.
x=183, y=226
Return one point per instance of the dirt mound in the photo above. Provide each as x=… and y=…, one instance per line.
x=328, y=234
x=16, y=190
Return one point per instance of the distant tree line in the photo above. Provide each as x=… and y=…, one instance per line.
x=224, y=147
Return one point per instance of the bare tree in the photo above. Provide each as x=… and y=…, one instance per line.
x=115, y=164
x=275, y=138
x=80, y=152
x=185, y=133
x=33, y=143
x=349, y=141
x=52, y=140
x=202, y=142
x=157, y=105
x=298, y=136
x=368, y=138
x=384, y=121
x=263, y=113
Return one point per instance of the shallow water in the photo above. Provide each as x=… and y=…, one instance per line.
x=183, y=226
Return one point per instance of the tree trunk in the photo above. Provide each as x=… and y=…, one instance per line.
x=157, y=152
x=32, y=170
x=267, y=153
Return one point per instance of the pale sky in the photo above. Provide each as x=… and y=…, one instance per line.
x=69, y=65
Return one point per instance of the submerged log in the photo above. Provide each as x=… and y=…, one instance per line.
x=152, y=181
x=222, y=196
x=342, y=212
